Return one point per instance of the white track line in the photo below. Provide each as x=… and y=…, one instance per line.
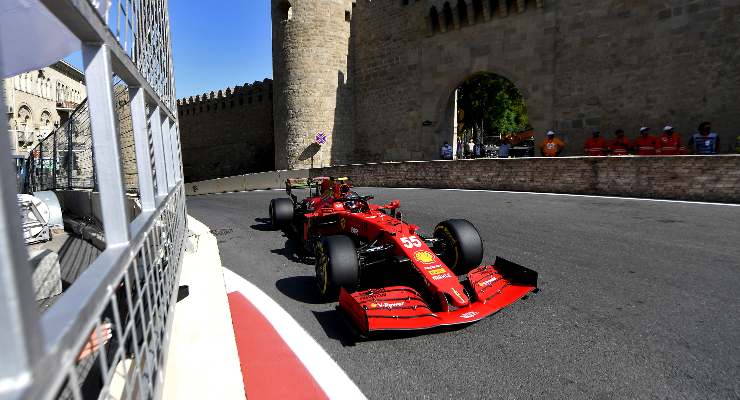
x=577, y=195
x=332, y=379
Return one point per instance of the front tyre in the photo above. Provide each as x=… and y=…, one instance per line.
x=281, y=212
x=461, y=245
x=337, y=265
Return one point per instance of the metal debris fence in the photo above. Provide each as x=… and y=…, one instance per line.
x=107, y=334
x=64, y=159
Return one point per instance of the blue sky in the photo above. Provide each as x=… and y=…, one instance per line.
x=215, y=47
x=220, y=44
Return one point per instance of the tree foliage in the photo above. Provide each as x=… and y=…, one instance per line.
x=491, y=105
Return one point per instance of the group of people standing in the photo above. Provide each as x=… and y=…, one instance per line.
x=704, y=141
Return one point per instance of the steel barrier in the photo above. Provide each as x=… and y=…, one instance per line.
x=131, y=286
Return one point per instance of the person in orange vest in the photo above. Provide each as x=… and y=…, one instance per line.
x=595, y=145
x=620, y=146
x=669, y=143
x=646, y=144
x=552, y=146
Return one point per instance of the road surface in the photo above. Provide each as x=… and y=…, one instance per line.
x=638, y=300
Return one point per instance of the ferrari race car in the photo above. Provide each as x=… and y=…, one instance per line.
x=386, y=275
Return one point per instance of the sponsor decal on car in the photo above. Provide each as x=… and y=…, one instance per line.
x=343, y=223
x=428, y=267
x=469, y=314
x=488, y=282
x=443, y=276
x=387, y=305
x=437, y=271
x=354, y=230
x=423, y=256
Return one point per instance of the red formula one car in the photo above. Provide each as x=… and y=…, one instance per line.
x=386, y=275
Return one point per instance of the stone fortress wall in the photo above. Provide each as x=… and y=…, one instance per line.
x=601, y=64
x=378, y=77
x=227, y=133
x=311, y=67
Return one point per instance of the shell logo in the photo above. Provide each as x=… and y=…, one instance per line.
x=424, y=256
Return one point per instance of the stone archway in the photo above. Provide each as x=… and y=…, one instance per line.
x=443, y=105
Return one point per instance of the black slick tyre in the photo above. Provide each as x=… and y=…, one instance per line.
x=337, y=266
x=281, y=212
x=462, y=247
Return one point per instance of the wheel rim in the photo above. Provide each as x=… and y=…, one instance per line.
x=450, y=250
x=322, y=269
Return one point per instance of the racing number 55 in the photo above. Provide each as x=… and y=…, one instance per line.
x=411, y=242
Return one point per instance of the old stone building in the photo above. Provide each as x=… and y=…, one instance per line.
x=378, y=77
x=227, y=133
x=40, y=100
x=393, y=66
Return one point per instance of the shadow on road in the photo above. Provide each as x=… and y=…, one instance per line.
x=294, y=251
x=300, y=288
x=336, y=327
x=262, y=225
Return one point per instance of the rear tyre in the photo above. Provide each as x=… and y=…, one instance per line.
x=281, y=212
x=337, y=265
x=461, y=245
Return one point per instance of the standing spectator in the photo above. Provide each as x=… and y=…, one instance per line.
x=478, y=149
x=460, y=153
x=471, y=148
x=646, y=144
x=446, y=151
x=552, y=146
x=503, y=149
x=595, y=145
x=705, y=141
x=620, y=146
x=669, y=143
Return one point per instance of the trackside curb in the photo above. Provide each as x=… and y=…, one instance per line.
x=202, y=360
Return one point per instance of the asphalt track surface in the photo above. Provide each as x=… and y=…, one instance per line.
x=638, y=300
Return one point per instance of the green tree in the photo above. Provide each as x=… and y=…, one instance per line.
x=491, y=105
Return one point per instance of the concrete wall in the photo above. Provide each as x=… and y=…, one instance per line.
x=698, y=178
x=84, y=203
x=259, y=181
x=227, y=133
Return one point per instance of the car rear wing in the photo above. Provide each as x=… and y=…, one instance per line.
x=303, y=183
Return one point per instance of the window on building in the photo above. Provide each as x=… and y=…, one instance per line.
x=434, y=20
x=462, y=12
x=477, y=11
x=285, y=11
x=447, y=16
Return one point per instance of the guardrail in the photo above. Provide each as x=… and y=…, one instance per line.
x=131, y=285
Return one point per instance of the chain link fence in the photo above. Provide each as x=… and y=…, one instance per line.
x=106, y=335
x=64, y=159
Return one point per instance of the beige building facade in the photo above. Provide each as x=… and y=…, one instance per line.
x=39, y=101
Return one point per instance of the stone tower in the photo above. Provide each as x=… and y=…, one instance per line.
x=311, y=72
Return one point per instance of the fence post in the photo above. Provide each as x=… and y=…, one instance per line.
x=160, y=165
x=141, y=144
x=20, y=336
x=167, y=146
x=70, y=153
x=54, y=162
x=106, y=146
x=41, y=166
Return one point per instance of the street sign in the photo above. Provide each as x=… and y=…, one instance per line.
x=320, y=138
